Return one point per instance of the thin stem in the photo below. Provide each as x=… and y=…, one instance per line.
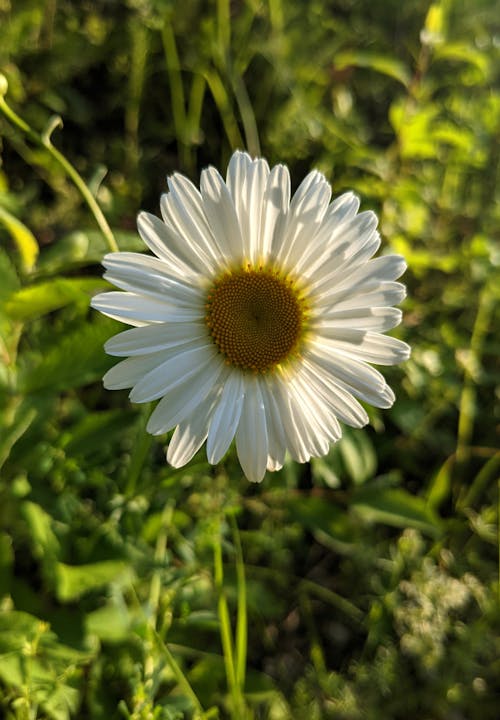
x=223, y=27
x=468, y=397
x=221, y=98
x=247, y=115
x=178, y=102
x=238, y=705
x=45, y=142
x=241, y=621
x=182, y=680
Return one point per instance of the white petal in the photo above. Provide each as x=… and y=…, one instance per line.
x=236, y=174
x=251, y=435
x=359, y=242
x=274, y=424
x=168, y=245
x=275, y=206
x=182, y=363
x=369, y=346
x=185, y=398
x=378, y=319
x=187, y=204
x=303, y=435
x=351, y=371
x=383, y=294
x=248, y=182
x=128, y=372
x=306, y=212
x=221, y=215
x=144, y=274
x=343, y=208
x=225, y=418
x=177, y=228
x=340, y=400
x=190, y=434
x=381, y=269
x=324, y=419
x=257, y=182
x=329, y=235
x=335, y=236
x=138, y=310
x=151, y=338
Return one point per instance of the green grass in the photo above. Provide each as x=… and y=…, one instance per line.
x=368, y=580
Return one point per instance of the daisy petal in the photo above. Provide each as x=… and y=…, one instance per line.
x=138, y=310
x=251, y=436
x=128, y=372
x=190, y=434
x=276, y=202
x=168, y=246
x=187, y=361
x=306, y=212
x=150, y=339
x=221, y=215
x=369, y=346
x=185, y=398
x=225, y=418
x=377, y=319
x=146, y=275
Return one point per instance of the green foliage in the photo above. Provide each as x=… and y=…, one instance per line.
x=372, y=573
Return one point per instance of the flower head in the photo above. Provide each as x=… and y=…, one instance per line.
x=257, y=318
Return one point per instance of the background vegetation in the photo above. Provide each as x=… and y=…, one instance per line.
x=372, y=574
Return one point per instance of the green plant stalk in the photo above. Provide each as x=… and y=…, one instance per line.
x=481, y=481
x=184, y=683
x=139, y=52
x=468, y=396
x=160, y=550
x=241, y=622
x=223, y=27
x=238, y=705
x=223, y=103
x=196, y=96
x=139, y=451
x=45, y=142
x=178, y=102
x=154, y=601
x=247, y=115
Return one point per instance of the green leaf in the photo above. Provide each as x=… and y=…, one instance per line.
x=23, y=238
x=10, y=280
x=319, y=514
x=396, y=507
x=74, y=360
x=110, y=623
x=460, y=52
x=37, y=300
x=45, y=543
x=84, y=248
x=6, y=563
x=358, y=456
x=373, y=61
x=21, y=421
x=87, y=436
x=74, y=581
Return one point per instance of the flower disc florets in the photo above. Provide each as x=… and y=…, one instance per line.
x=256, y=318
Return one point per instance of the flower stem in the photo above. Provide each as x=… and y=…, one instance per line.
x=182, y=680
x=241, y=621
x=44, y=140
x=238, y=710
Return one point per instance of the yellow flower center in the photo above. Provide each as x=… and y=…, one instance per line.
x=256, y=318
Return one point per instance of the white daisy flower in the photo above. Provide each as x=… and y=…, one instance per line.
x=257, y=318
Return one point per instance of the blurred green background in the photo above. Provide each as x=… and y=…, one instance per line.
x=372, y=574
